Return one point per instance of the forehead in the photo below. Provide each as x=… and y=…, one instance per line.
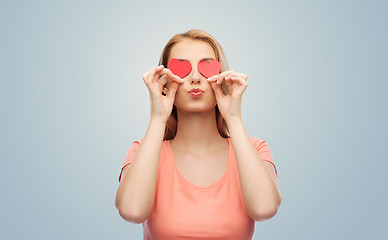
x=192, y=50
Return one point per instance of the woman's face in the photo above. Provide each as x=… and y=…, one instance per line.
x=193, y=51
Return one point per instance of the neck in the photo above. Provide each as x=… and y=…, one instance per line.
x=197, y=131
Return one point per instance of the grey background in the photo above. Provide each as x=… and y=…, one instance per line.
x=72, y=101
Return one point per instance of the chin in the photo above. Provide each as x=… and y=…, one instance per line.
x=196, y=107
x=186, y=102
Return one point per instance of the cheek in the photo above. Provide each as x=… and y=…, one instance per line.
x=213, y=97
x=178, y=95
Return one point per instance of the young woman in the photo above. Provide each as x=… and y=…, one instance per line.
x=196, y=174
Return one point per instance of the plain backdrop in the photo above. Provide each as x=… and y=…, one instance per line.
x=73, y=100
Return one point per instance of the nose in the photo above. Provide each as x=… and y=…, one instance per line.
x=195, y=76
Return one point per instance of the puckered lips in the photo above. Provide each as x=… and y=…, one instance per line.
x=196, y=92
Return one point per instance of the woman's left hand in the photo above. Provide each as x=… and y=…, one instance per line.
x=230, y=104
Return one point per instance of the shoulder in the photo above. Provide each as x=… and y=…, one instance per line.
x=135, y=144
x=265, y=153
x=260, y=144
x=138, y=141
x=257, y=141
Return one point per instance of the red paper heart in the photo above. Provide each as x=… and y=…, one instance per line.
x=208, y=69
x=179, y=68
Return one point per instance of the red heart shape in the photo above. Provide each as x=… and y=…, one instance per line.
x=179, y=68
x=208, y=69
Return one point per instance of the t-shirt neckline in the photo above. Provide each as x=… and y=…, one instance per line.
x=192, y=185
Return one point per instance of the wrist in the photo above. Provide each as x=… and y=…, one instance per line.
x=233, y=120
x=158, y=120
x=235, y=127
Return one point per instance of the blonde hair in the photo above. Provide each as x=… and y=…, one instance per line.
x=195, y=34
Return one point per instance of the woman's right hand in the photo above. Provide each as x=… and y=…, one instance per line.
x=161, y=106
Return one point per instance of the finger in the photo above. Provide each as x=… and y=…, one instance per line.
x=213, y=78
x=158, y=69
x=241, y=82
x=178, y=79
x=238, y=79
x=227, y=73
x=234, y=76
x=217, y=89
x=239, y=75
x=166, y=83
x=227, y=81
x=170, y=75
x=167, y=72
x=244, y=76
x=163, y=80
x=153, y=75
x=172, y=89
x=222, y=76
x=148, y=76
x=158, y=73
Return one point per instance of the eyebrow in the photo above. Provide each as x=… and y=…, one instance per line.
x=208, y=58
x=203, y=59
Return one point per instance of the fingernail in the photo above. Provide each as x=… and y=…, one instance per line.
x=178, y=78
x=211, y=78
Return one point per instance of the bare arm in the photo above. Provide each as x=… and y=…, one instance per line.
x=257, y=177
x=136, y=192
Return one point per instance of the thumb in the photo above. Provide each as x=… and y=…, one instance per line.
x=172, y=89
x=217, y=89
